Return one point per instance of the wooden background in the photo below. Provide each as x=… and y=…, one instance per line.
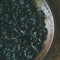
x=54, y=52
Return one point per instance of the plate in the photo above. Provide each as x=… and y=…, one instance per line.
x=43, y=5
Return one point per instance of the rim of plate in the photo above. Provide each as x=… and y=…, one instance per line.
x=42, y=5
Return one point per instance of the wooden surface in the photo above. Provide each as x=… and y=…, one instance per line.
x=54, y=52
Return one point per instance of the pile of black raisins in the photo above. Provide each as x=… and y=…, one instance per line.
x=22, y=30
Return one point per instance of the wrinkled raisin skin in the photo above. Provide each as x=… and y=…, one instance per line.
x=22, y=30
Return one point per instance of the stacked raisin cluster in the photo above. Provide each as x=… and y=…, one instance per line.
x=22, y=30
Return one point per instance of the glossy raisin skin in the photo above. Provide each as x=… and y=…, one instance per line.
x=22, y=30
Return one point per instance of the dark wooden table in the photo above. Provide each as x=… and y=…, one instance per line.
x=54, y=52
